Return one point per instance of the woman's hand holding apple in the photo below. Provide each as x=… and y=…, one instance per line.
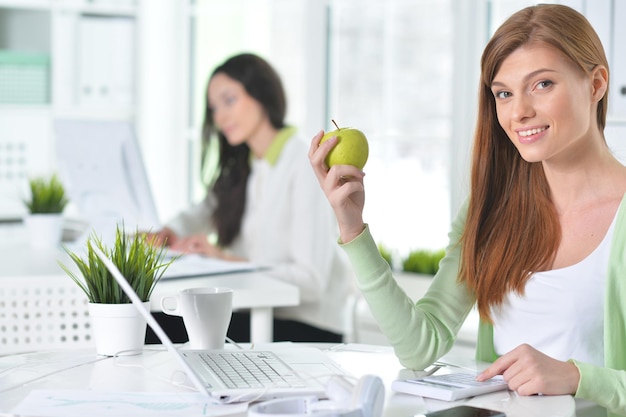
x=343, y=186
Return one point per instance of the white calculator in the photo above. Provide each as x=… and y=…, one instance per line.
x=449, y=387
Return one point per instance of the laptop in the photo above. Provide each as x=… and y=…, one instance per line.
x=303, y=370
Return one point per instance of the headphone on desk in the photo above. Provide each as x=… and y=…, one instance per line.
x=365, y=399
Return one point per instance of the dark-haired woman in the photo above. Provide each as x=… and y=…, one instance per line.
x=265, y=205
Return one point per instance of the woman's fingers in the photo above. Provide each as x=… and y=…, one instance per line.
x=528, y=372
x=318, y=152
x=343, y=186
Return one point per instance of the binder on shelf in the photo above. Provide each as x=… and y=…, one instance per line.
x=24, y=77
x=106, y=54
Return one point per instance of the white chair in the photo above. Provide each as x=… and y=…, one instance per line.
x=44, y=312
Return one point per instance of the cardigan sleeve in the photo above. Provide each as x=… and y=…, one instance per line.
x=420, y=332
x=606, y=385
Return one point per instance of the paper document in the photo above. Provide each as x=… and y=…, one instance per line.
x=70, y=403
x=196, y=265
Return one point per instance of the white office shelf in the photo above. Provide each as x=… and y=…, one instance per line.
x=102, y=7
x=56, y=62
x=26, y=4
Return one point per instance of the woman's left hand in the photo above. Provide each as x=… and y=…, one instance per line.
x=529, y=372
x=195, y=244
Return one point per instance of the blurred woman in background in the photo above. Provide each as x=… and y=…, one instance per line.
x=265, y=206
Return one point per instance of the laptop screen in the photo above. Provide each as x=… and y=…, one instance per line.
x=100, y=163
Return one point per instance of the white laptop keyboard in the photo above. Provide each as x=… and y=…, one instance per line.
x=241, y=369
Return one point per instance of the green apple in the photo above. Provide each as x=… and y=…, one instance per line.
x=351, y=147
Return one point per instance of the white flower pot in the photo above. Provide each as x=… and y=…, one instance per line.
x=44, y=230
x=117, y=329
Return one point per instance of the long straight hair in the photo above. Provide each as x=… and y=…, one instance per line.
x=512, y=227
x=263, y=84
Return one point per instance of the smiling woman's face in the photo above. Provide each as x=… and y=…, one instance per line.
x=236, y=114
x=544, y=103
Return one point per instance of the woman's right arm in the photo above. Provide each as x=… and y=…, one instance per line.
x=422, y=331
x=419, y=332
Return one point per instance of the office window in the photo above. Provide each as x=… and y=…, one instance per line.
x=382, y=67
x=390, y=70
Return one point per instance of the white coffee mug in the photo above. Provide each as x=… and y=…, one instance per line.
x=206, y=313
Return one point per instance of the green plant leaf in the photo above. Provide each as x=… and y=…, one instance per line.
x=47, y=195
x=423, y=261
x=141, y=262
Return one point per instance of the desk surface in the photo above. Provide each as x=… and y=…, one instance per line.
x=256, y=291
x=152, y=372
x=253, y=289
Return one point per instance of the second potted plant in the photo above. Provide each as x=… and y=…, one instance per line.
x=116, y=325
x=45, y=206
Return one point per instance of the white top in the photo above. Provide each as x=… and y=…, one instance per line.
x=561, y=312
x=288, y=225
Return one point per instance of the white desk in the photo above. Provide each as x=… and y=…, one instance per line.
x=152, y=372
x=255, y=291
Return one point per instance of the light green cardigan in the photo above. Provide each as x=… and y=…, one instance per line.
x=422, y=332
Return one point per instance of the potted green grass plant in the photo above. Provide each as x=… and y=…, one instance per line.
x=45, y=205
x=47, y=195
x=423, y=261
x=417, y=261
x=117, y=326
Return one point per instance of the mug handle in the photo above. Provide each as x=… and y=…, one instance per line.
x=170, y=311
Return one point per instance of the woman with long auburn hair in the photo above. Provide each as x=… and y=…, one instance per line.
x=540, y=244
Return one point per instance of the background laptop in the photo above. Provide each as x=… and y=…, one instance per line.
x=101, y=165
x=309, y=367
